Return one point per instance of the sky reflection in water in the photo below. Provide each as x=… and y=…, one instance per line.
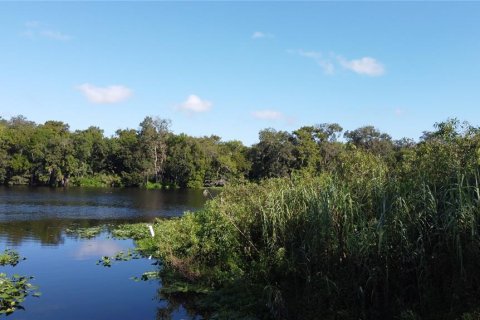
x=33, y=221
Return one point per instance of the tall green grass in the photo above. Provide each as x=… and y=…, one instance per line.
x=366, y=241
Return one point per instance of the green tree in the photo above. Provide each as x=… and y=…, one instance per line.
x=127, y=157
x=3, y=150
x=307, y=151
x=59, y=160
x=182, y=165
x=91, y=151
x=153, y=134
x=16, y=143
x=372, y=140
x=273, y=155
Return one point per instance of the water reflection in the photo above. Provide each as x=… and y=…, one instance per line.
x=43, y=213
x=77, y=203
x=175, y=305
x=97, y=248
x=34, y=221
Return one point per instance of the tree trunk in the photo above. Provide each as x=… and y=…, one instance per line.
x=155, y=160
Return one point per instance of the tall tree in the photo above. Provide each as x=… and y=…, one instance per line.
x=59, y=160
x=153, y=135
x=127, y=157
x=372, y=140
x=307, y=151
x=90, y=150
x=273, y=155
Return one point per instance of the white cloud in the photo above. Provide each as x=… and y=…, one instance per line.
x=101, y=95
x=36, y=29
x=325, y=63
x=55, y=35
x=261, y=35
x=271, y=115
x=366, y=65
x=194, y=104
x=96, y=248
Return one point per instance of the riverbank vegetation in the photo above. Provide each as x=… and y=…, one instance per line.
x=379, y=233
x=153, y=157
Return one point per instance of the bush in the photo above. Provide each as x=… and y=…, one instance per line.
x=97, y=181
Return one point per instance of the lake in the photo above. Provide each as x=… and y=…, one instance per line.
x=34, y=222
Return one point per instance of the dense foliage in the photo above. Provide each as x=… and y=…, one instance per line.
x=381, y=230
x=152, y=156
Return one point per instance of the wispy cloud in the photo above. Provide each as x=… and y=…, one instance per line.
x=270, y=115
x=366, y=66
x=261, y=35
x=36, y=29
x=33, y=24
x=194, y=104
x=55, y=35
x=324, y=62
x=399, y=112
x=330, y=63
x=105, y=95
x=273, y=116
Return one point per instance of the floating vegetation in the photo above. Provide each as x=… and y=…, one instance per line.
x=13, y=290
x=126, y=256
x=10, y=257
x=146, y=276
x=84, y=233
x=134, y=231
x=107, y=261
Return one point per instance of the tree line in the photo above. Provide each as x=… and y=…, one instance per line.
x=153, y=156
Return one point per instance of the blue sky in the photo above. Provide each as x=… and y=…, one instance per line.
x=232, y=69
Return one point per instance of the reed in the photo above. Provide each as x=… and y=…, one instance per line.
x=365, y=241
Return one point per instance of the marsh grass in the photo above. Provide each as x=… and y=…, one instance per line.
x=322, y=247
x=367, y=240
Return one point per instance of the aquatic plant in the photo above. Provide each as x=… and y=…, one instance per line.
x=107, y=261
x=10, y=257
x=147, y=276
x=84, y=232
x=13, y=290
x=134, y=231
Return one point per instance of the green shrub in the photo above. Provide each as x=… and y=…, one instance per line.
x=153, y=185
x=97, y=181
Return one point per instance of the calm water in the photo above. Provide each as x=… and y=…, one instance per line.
x=33, y=221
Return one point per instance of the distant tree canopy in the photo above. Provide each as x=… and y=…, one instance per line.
x=52, y=154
